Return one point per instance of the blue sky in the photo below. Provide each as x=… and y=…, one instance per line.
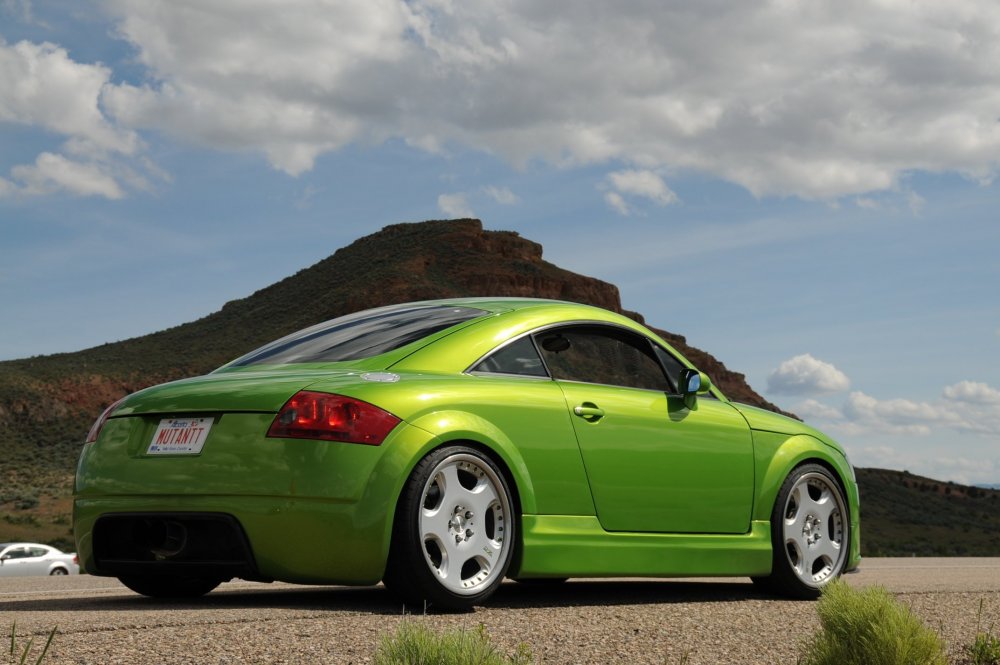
x=806, y=195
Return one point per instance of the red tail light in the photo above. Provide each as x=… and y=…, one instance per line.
x=95, y=429
x=311, y=415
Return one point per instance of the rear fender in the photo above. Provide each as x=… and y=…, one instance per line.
x=455, y=425
x=377, y=507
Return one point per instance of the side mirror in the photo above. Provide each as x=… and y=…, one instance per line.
x=694, y=383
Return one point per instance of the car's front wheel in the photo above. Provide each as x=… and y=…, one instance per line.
x=169, y=586
x=453, y=537
x=810, y=533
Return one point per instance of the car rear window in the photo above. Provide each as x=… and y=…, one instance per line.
x=360, y=335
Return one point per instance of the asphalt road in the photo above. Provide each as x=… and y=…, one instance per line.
x=629, y=621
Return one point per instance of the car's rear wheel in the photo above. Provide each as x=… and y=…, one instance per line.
x=169, y=586
x=454, y=533
x=59, y=571
x=810, y=533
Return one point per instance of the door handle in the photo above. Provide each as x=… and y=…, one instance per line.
x=589, y=412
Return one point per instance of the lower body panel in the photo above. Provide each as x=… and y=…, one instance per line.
x=577, y=546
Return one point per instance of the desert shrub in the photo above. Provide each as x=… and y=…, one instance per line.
x=985, y=649
x=870, y=627
x=414, y=644
x=26, y=502
x=29, y=520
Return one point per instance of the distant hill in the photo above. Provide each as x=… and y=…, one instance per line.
x=903, y=515
x=47, y=403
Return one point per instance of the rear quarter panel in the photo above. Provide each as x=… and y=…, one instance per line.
x=523, y=421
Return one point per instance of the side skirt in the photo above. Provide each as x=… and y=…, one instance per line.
x=577, y=546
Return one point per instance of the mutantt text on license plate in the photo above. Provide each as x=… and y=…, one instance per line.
x=179, y=436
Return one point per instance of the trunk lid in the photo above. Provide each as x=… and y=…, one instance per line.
x=257, y=390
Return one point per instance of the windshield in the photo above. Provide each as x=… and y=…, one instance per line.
x=361, y=335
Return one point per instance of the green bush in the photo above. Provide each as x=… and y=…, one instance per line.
x=985, y=650
x=413, y=644
x=870, y=627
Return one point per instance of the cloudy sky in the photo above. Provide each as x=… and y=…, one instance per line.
x=805, y=188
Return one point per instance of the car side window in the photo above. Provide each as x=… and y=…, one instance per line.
x=601, y=354
x=519, y=357
x=36, y=551
x=672, y=366
x=16, y=553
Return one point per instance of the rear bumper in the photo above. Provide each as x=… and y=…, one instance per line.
x=310, y=512
x=270, y=538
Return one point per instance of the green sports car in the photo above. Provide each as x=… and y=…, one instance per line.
x=440, y=446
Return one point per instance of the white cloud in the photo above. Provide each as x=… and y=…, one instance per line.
x=454, y=205
x=979, y=405
x=782, y=98
x=813, y=410
x=502, y=195
x=645, y=184
x=615, y=200
x=967, y=406
x=42, y=87
x=293, y=80
x=636, y=183
x=974, y=392
x=52, y=173
x=805, y=375
x=896, y=416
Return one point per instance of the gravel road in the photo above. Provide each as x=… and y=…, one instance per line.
x=627, y=621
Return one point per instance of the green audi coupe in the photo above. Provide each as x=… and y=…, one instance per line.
x=441, y=446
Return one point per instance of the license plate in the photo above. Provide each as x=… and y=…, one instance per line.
x=179, y=436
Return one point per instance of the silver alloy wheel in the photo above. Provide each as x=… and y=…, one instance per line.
x=813, y=529
x=464, y=515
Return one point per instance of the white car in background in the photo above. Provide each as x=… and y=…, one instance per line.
x=22, y=559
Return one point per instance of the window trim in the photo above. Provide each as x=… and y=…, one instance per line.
x=323, y=328
x=513, y=340
x=627, y=331
x=576, y=324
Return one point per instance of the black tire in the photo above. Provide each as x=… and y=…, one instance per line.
x=810, y=534
x=169, y=586
x=58, y=571
x=454, y=531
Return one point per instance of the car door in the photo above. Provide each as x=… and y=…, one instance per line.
x=37, y=562
x=653, y=464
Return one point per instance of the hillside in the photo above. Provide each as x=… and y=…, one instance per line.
x=47, y=403
x=907, y=515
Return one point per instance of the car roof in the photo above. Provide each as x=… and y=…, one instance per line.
x=511, y=317
x=493, y=304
